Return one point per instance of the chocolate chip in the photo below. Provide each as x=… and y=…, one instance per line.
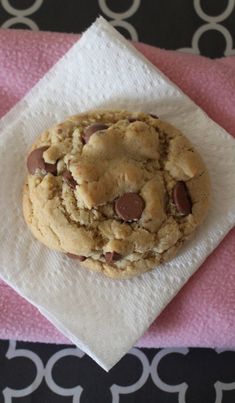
x=129, y=206
x=51, y=168
x=68, y=178
x=153, y=116
x=78, y=257
x=182, y=199
x=36, y=162
x=95, y=127
x=111, y=257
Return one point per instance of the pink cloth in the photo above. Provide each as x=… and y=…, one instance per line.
x=203, y=313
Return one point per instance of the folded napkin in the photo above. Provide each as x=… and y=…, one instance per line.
x=105, y=317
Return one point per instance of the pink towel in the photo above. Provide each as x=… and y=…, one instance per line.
x=203, y=313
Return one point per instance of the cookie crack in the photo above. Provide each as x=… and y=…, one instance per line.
x=33, y=216
x=55, y=235
x=100, y=240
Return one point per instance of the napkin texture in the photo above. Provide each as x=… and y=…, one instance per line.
x=102, y=316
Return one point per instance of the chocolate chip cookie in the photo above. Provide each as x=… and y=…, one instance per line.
x=116, y=190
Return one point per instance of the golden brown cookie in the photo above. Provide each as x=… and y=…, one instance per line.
x=118, y=191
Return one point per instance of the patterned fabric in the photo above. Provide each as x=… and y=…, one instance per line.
x=196, y=26
x=65, y=374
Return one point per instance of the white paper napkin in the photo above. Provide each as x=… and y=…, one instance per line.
x=102, y=316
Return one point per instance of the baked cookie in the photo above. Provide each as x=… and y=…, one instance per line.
x=118, y=191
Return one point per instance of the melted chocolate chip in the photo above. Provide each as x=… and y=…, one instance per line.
x=90, y=130
x=68, y=178
x=51, y=168
x=153, y=116
x=182, y=199
x=78, y=257
x=129, y=206
x=111, y=257
x=36, y=162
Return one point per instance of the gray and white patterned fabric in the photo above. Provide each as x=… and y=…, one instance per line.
x=40, y=373
x=31, y=373
x=196, y=26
